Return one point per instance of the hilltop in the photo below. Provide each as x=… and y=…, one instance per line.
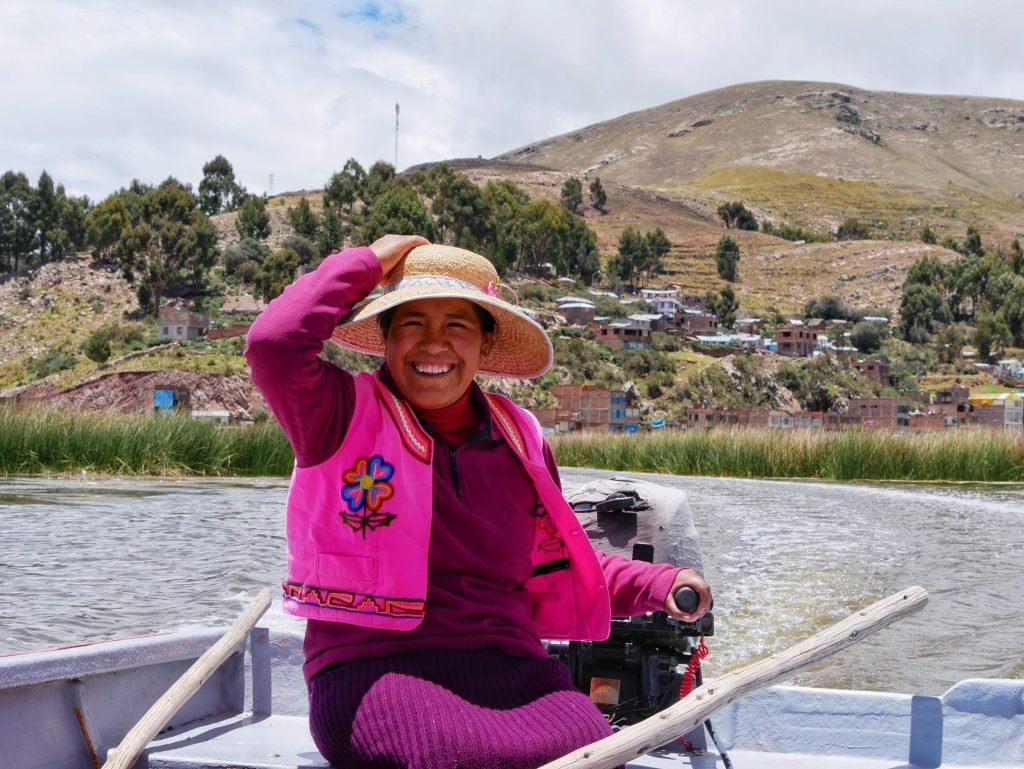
x=815, y=153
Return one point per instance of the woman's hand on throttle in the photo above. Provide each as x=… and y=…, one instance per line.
x=691, y=579
x=391, y=249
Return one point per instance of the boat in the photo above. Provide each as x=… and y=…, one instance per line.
x=68, y=707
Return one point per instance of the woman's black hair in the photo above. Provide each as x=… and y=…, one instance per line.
x=487, y=322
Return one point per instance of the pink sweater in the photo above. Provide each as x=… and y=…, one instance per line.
x=483, y=529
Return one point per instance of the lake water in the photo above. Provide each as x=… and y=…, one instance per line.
x=89, y=558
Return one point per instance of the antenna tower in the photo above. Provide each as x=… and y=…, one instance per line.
x=396, y=137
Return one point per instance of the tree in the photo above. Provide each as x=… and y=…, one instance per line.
x=830, y=307
x=44, y=212
x=598, y=197
x=656, y=245
x=972, y=245
x=218, y=189
x=727, y=258
x=378, y=179
x=852, y=229
x=724, y=305
x=304, y=248
x=17, y=225
x=245, y=250
x=1013, y=310
x=736, y=214
x=545, y=233
x=922, y=311
x=106, y=227
x=169, y=248
x=631, y=257
x=331, y=233
x=303, y=220
x=506, y=202
x=582, y=260
x=253, y=220
x=927, y=236
x=398, y=210
x=97, y=347
x=990, y=334
x=344, y=188
x=1016, y=257
x=462, y=214
x=69, y=233
x=866, y=336
x=276, y=272
x=572, y=195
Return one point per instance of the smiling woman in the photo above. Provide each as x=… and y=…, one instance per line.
x=429, y=545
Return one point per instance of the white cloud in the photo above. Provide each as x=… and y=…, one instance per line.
x=98, y=92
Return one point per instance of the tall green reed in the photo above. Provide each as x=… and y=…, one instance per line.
x=57, y=441
x=949, y=455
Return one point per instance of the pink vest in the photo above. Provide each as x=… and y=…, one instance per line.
x=359, y=526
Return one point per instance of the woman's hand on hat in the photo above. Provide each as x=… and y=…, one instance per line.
x=391, y=249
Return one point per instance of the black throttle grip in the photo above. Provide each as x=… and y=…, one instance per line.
x=686, y=599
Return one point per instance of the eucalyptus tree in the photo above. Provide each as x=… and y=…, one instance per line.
x=219, y=191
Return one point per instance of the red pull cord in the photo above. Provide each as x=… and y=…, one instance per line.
x=689, y=676
x=686, y=685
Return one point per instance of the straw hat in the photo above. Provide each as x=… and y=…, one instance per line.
x=521, y=348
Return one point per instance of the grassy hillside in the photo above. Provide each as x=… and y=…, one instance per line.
x=814, y=153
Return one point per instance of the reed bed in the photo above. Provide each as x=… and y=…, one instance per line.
x=949, y=455
x=59, y=441
x=52, y=441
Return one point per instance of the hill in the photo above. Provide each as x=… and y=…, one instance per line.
x=814, y=154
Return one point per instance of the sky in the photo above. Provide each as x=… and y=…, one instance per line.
x=100, y=92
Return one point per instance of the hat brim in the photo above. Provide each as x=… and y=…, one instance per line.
x=520, y=347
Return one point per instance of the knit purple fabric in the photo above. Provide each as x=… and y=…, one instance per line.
x=470, y=710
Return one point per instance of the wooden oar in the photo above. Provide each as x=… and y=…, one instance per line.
x=163, y=709
x=663, y=727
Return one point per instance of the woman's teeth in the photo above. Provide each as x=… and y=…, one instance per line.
x=432, y=368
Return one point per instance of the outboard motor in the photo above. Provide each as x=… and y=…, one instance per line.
x=636, y=672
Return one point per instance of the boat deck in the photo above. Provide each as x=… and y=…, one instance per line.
x=252, y=714
x=284, y=742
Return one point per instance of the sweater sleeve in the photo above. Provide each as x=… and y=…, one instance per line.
x=311, y=399
x=634, y=587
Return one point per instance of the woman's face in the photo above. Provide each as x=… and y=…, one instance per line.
x=433, y=350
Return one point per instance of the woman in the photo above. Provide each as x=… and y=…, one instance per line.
x=429, y=546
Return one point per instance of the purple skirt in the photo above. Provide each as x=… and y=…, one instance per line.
x=479, y=709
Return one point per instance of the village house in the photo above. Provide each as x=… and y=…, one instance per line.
x=242, y=303
x=748, y=325
x=795, y=341
x=176, y=322
x=1010, y=368
x=695, y=322
x=664, y=301
x=649, y=321
x=875, y=369
x=1002, y=410
x=621, y=334
x=886, y=413
x=576, y=311
x=751, y=341
x=589, y=408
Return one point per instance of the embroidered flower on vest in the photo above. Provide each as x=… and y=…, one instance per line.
x=365, y=491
